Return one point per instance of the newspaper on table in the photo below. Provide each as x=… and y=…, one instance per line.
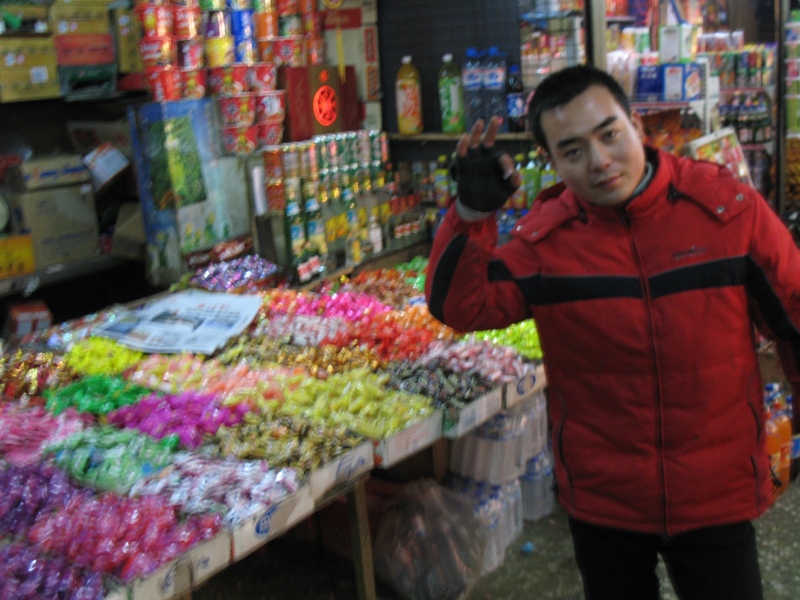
x=190, y=321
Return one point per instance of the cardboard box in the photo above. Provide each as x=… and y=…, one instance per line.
x=458, y=422
x=340, y=471
x=26, y=317
x=16, y=256
x=16, y=92
x=316, y=101
x=533, y=381
x=77, y=19
x=27, y=60
x=74, y=50
x=649, y=83
x=105, y=164
x=258, y=530
x=681, y=82
x=33, y=17
x=47, y=171
x=126, y=33
x=393, y=449
x=129, y=239
x=62, y=222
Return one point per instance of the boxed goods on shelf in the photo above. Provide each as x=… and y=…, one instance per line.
x=27, y=69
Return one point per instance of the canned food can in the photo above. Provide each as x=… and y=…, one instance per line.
x=190, y=53
x=290, y=25
x=309, y=160
x=276, y=195
x=288, y=7
x=291, y=160
x=242, y=23
x=219, y=52
x=217, y=24
x=265, y=6
x=187, y=21
x=266, y=24
x=193, y=83
x=273, y=162
x=244, y=51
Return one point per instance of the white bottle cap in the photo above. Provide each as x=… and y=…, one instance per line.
x=406, y=59
x=447, y=57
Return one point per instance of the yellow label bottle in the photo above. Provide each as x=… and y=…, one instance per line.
x=409, y=99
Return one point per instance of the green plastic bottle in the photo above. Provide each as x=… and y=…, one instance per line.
x=451, y=96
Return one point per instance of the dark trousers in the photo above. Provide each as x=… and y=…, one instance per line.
x=713, y=563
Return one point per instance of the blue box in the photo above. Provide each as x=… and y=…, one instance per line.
x=681, y=82
x=649, y=83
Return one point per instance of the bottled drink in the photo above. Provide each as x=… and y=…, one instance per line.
x=375, y=234
x=549, y=175
x=295, y=230
x=494, y=87
x=532, y=176
x=409, y=98
x=441, y=183
x=519, y=199
x=451, y=96
x=515, y=101
x=774, y=451
x=472, y=79
x=315, y=227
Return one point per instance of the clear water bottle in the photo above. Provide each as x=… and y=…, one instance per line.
x=472, y=79
x=494, y=87
x=515, y=101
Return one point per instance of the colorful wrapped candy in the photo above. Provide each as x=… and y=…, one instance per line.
x=124, y=537
x=96, y=394
x=101, y=356
x=189, y=416
x=498, y=364
x=26, y=375
x=236, y=489
x=523, y=337
x=28, y=430
x=112, y=459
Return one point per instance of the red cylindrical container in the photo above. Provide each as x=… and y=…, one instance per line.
x=164, y=83
x=187, y=21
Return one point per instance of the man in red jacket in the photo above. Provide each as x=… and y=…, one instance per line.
x=646, y=274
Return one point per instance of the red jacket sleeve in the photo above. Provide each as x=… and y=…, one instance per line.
x=469, y=284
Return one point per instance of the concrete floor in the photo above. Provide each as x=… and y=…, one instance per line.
x=292, y=569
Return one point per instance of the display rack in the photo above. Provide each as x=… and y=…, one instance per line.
x=28, y=284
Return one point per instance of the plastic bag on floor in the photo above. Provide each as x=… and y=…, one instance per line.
x=430, y=544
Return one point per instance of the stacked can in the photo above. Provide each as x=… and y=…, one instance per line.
x=312, y=32
x=279, y=31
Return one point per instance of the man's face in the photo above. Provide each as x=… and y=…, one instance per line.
x=595, y=147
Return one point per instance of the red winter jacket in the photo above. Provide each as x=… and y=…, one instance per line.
x=646, y=317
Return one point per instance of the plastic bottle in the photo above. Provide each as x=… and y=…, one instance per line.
x=784, y=426
x=472, y=80
x=549, y=175
x=515, y=101
x=494, y=87
x=774, y=451
x=375, y=234
x=451, y=96
x=408, y=91
x=441, y=183
x=519, y=199
x=532, y=176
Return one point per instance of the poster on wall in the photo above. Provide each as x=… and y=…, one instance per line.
x=192, y=196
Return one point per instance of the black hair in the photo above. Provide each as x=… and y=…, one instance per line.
x=562, y=86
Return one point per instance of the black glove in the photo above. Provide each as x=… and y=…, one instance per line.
x=482, y=185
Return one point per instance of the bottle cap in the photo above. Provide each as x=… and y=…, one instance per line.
x=447, y=58
x=513, y=69
x=406, y=59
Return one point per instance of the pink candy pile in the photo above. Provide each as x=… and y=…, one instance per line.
x=498, y=364
x=27, y=430
x=120, y=536
x=188, y=415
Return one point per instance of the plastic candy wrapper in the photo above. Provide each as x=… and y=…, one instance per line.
x=392, y=286
x=101, y=356
x=95, y=394
x=430, y=544
x=498, y=364
x=302, y=330
x=236, y=489
x=189, y=416
x=59, y=338
x=446, y=387
x=352, y=306
x=123, y=537
x=318, y=360
x=28, y=430
x=111, y=459
x=27, y=574
x=246, y=274
x=259, y=389
x=357, y=400
x=25, y=376
x=387, y=336
x=522, y=336
x=31, y=491
x=285, y=442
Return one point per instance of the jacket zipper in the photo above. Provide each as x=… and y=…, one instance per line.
x=626, y=221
